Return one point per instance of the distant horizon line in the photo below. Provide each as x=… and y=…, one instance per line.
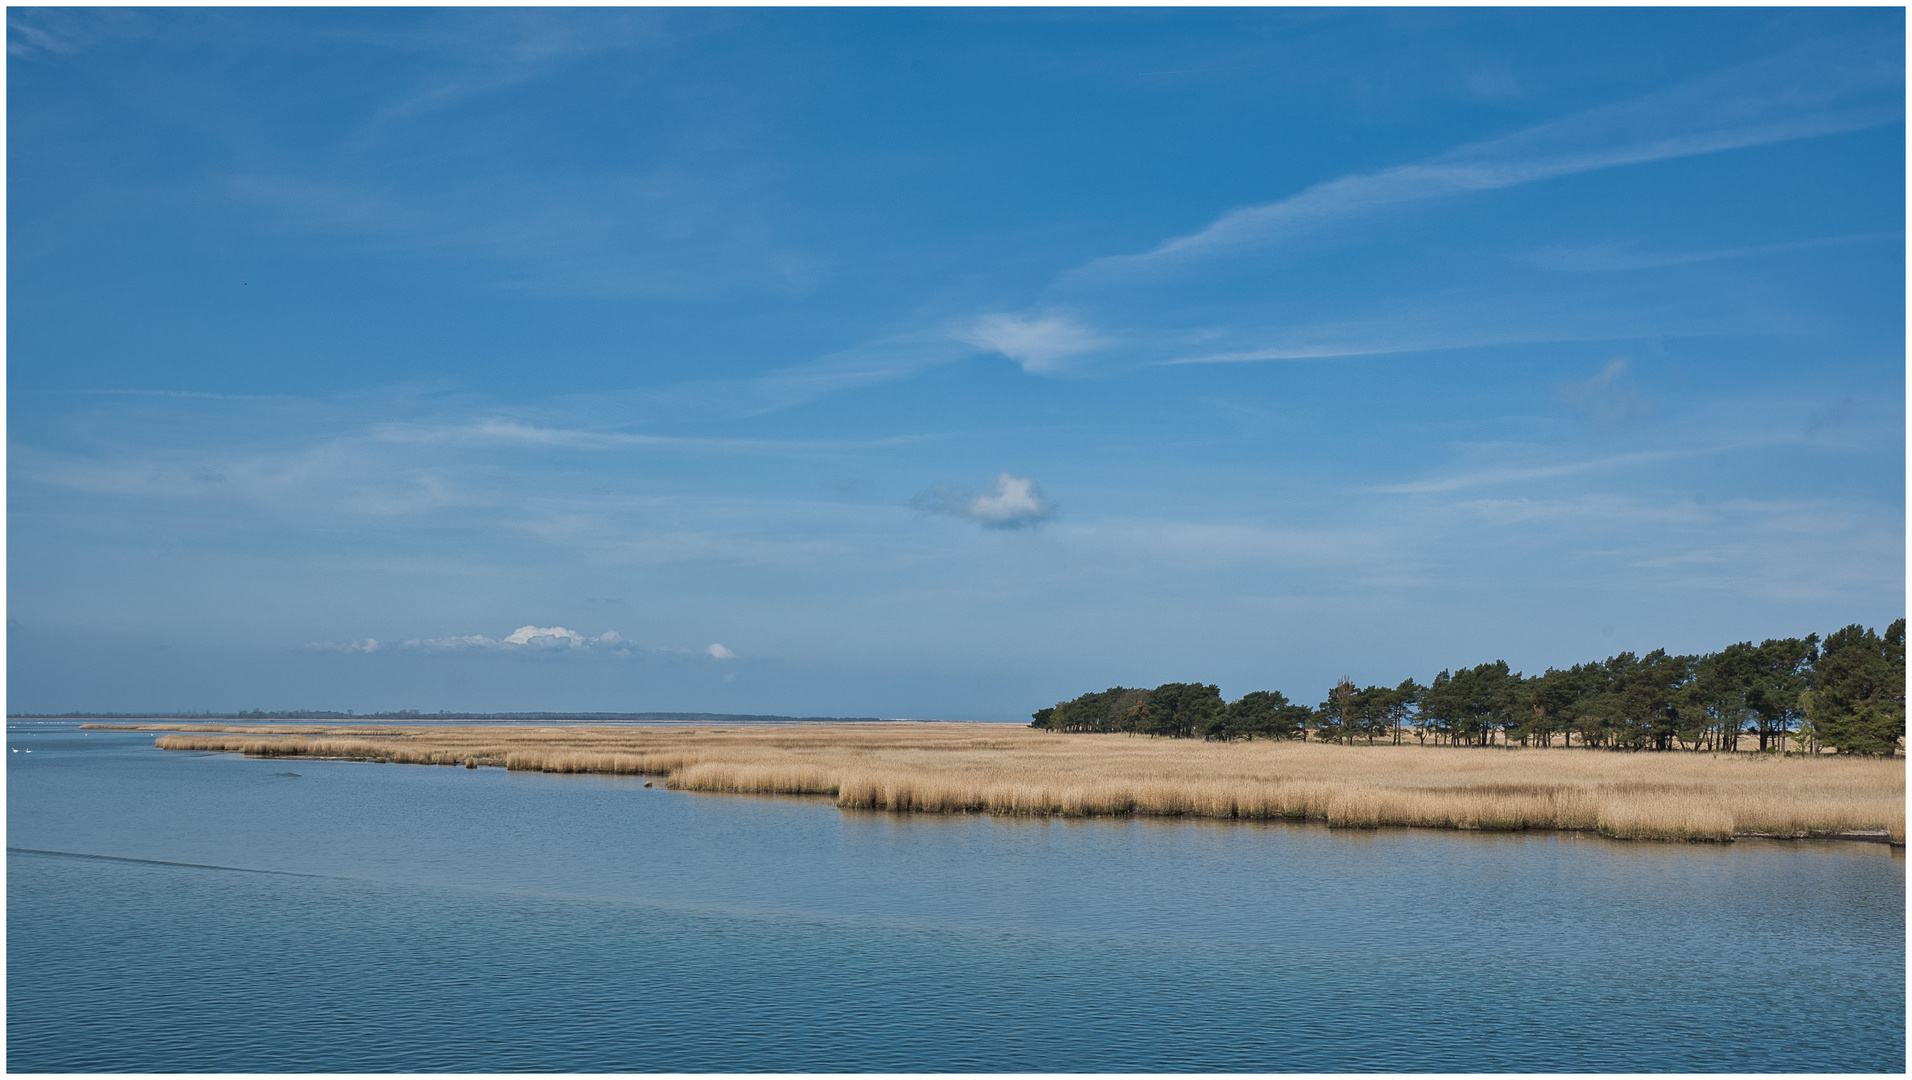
x=497, y=717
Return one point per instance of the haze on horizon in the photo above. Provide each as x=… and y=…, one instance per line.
x=937, y=363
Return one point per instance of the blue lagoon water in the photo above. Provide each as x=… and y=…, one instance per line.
x=205, y=912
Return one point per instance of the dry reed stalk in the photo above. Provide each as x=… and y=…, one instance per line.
x=1667, y=817
x=950, y=768
x=753, y=779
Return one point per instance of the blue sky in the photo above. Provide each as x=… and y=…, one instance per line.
x=937, y=363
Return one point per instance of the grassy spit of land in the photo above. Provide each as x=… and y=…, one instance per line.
x=949, y=768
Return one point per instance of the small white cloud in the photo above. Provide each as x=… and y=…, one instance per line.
x=366, y=645
x=524, y=637
x=1017, y=502
x=1039, y=345
x=718, y=652
x=545, y=637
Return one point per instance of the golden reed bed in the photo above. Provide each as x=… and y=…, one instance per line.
x=949, y=767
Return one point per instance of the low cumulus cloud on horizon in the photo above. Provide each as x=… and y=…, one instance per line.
x=1016, y=503
x=524, y=637
x=528, y=638
x=363, y=645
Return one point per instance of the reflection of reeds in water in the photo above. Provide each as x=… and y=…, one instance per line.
x=946, y=768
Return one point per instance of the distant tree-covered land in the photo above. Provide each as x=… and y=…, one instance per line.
x=1843, y=693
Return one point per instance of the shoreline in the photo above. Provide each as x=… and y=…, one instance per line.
x=930, y=767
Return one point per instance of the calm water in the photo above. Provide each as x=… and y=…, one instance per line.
x=382, y=917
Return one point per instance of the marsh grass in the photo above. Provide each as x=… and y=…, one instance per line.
x=950, y=768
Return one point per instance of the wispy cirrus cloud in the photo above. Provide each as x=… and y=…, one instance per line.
x=61, y=32
x=1610, y=395
x=1484, y=316
x=1819, y=88
x=1515, y=473
x=343, y=457
x=488, y=51
x=873, y=363
x=1822, y=87
x=508, y=431
x=885, y=360
x=1041, y=344
x=1375, y=341
x=1815, y=550
x=1621, y=256
x=662, y=233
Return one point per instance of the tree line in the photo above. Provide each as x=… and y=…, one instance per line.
x=1844, y=693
